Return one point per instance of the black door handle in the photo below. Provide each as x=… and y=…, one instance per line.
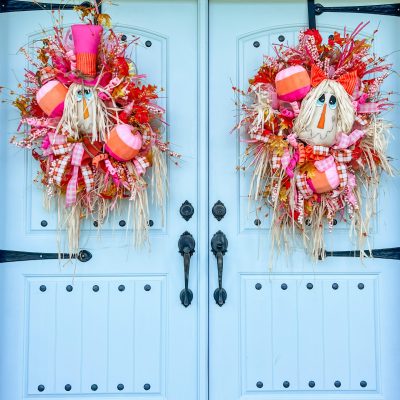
x=219, y=246
x=392, y=253
x=14, y=256
x=186, y=247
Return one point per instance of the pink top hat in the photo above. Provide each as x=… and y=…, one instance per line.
x=86, y=42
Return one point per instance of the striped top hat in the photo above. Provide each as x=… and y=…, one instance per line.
x=86, y=42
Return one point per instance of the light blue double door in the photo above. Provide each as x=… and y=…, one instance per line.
x=101, y=341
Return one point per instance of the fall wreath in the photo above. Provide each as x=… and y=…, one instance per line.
x=316, y=143
x=93, y=124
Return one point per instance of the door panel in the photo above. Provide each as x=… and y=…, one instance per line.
x=324, y=333
x=286, y=331
x=88, y=328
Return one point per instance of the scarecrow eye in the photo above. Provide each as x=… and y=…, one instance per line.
x=321, y=100
x=88, y=94
x=332, y=102
x=79, y=95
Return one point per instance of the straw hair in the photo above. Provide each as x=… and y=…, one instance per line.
x=346, y=113
x=98, y=124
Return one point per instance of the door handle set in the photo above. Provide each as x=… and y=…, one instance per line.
x=186, y=246
x=219, y=246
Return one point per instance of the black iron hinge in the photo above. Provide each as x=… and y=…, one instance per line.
x=7, y=6
x=14, y=256
x=392, y=253
x=380, y=9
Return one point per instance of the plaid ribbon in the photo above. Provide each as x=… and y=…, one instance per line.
x=344, y=141
x=328, y=157
x=261, y=138
x=61, y=149
x=76, y=160
x=342, y=172
x=325, y=163
x=340, y=151
x=141, y=164
x=73, y=158
x=342, y=156
x=362, y=107
x=321, y=150
x=88, y=177
x=276, y=160
x=302, y=186
x=55, y=144
x=59, y=168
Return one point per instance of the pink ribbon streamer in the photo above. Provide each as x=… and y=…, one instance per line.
x=112, y=171
x=76, y=160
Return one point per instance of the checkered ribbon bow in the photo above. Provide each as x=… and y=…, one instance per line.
x=339, y=154
x=72, y=154
x=337, y=157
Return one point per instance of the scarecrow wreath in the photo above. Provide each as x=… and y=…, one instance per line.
x=93, y=125
x=316, y=144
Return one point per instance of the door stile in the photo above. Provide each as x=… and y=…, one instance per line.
x=203, y=197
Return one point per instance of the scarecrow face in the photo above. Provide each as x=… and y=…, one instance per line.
x=85, y=98
x=322, y=128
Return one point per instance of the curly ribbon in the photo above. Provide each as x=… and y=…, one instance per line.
x=292, y=139
x=302, y=153
x=292, y=164
x=287, y=113
x=97, y=159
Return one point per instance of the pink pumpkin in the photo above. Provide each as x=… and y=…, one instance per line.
x=50, y=98
x=292, y=84
x=124, y=142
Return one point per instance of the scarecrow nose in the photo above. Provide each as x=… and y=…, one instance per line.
x=85, y=109
x=321, y=122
